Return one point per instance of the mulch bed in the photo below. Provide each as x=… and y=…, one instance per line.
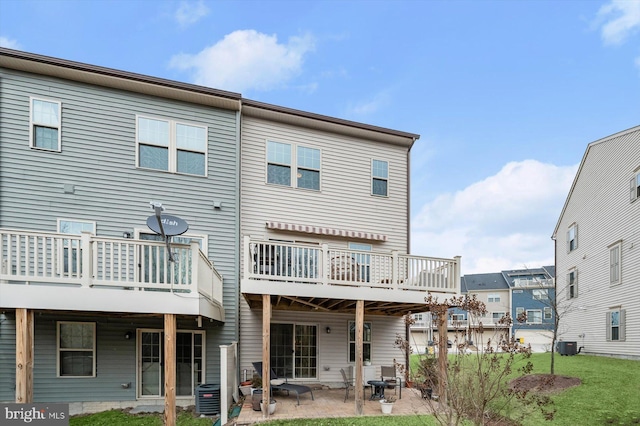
x=548, y=383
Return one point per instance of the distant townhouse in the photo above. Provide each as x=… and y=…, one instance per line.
x=597, y=256
x=532, y=306
x=527, y=294
x=88, y=296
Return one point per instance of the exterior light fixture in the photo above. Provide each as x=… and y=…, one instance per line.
x=328, y=330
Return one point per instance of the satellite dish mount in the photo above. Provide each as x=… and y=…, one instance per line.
x=166, y=225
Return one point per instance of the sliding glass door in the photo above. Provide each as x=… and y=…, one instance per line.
x=294, y=350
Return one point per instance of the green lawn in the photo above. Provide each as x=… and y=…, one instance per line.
x=609, y=395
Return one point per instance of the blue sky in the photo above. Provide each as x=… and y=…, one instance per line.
x=506, y=95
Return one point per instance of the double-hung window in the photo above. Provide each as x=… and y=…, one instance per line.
x=380, y=178
x=284, y=159
x=572, y=238
x=366, y=345
x=497, y=316
x=45, y=124
x=634, y=186
x=616, y=325
x=493, y=298
x=614, y=263
x=572, y=284
x=540, y=294
x=171, y=146
x=547, y=313
x=534, y=316
x=76, y=349
x=519, y=314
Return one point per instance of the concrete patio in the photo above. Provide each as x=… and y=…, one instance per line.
x=330, y=403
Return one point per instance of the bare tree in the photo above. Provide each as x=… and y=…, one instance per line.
x=474, y=382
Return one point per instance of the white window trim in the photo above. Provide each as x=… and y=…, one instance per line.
x=65, y=243
x=621, y=325
x=575, y=283
x=139, y=332
x=293, y=167
x=496, y=298
x=530, y=316
x=616, y=247
x=544, y=313
x=634, y=183
x=496, y=320
x=380, y=178
x=349, y=341
x=173, y=145
x=203, y=237
x=59, y=349
x=33, y=123
x=573, y=226
x=544, y=294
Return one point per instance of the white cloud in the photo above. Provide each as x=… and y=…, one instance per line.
x=191, y=12
x=622, y=19
x=9, y=43
x=246, y=59
x=502, y=222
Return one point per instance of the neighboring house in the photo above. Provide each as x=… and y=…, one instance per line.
x=597, y=241
x=532, y=306
x=86, y=291
x=325, y=230
x=511, y=291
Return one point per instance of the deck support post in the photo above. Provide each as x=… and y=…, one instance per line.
x=442, y=355
x=24, y=355
x=359, y=383
x=169, y=370
x=266, y=353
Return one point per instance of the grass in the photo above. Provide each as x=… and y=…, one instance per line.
x=609, y=395
x=118, y=417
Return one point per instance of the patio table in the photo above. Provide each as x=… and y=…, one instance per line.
x=377, y=389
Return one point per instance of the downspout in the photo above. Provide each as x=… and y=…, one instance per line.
x=238, y=238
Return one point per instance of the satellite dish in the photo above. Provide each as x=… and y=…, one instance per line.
x=172, y=225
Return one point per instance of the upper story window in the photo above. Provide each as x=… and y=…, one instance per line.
x=547, y=313
x=572, y=284
x=494, y=298
x=616, y=325
x=76, y=349
x=572, y=238
x=614, y=263
x=497, y=316
x=284, y=158
x=634, y=186
x=45, y=124
x=380, y=178
x=540, y=294
x=171, y=146
x=534, y=316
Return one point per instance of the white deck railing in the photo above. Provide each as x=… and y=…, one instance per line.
x=86, y=260
x=318, y=264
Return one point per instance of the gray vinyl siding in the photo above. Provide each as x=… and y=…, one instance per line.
x=99, y=158
x=345, y=202
x=332, y=348
x=115, y=359
x=7, y=357
x=345, y=199
x=599, y=204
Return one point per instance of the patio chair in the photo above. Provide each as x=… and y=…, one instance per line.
x=286, y=387
x=347, y=384
x=388, y=375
